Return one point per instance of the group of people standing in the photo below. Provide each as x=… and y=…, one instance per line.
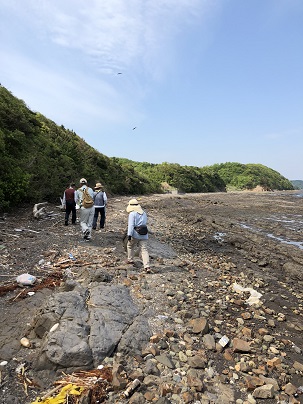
x=88, y=216
x=137, y=232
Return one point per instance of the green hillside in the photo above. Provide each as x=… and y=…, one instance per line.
x=248, y=176
x=39, y=159
x=218, y=177
x=183, y=178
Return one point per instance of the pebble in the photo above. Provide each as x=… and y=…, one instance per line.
x=212, y=339
x=25, y=342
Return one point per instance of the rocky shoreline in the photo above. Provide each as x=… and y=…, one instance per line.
x=218, y=321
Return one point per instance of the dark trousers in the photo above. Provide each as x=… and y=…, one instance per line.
x=102, y=217
x=70, y=207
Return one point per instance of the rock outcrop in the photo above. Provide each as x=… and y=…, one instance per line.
x=90, y=323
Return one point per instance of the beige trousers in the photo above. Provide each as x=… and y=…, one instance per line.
x=142, y=244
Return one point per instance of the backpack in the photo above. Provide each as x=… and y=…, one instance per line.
x=87, y=201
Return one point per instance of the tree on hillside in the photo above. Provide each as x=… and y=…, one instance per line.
x=248, y=176
x=39, y=158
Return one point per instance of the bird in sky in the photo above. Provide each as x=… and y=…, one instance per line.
x=119, y=73
x=135, y=127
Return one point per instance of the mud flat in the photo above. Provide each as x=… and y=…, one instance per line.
x=224, y=266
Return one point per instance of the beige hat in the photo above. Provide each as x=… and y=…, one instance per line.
x=133, y=206
x=83, y=181
x=98, y=185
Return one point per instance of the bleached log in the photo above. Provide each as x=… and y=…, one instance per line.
x=39, y=210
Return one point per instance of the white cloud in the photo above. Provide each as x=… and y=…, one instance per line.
x=65, y=66
x=56, y=94
x=115, y=34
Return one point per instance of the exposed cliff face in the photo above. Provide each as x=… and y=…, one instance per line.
x=204, y=249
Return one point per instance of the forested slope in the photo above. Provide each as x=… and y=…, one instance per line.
x=238, y=176
x=218, y=177
x=39, y=159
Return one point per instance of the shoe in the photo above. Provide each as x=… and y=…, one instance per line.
x=66, y=223
x=86, y=234
x=148, y=270
x=94, y=228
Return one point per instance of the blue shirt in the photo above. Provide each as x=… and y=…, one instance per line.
x=135, y=219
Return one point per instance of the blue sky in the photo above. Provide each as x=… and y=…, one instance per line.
x=203, y=81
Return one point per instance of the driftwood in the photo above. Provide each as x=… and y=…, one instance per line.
x=50, y=281
x=39, y=210
x=29, y=230
x=93, y=386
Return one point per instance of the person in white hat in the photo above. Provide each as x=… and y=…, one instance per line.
x=86, y=213
x=137, y=233
x=100, y=199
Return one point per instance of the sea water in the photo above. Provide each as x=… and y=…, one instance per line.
x=293, y=223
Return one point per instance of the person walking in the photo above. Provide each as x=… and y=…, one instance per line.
x=137, y=233
x=69, y=203
x=100, y=201
x=86, y=213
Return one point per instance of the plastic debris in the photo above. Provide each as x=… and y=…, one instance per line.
x=223, y=341
x=31, y=293
x=20, y=369
x=26, y=279
x=3, y=363
x=162, y=317
x=95, y=381
x=62, y=396
x=254, y=295
x=71, y=257
x=131, y=387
